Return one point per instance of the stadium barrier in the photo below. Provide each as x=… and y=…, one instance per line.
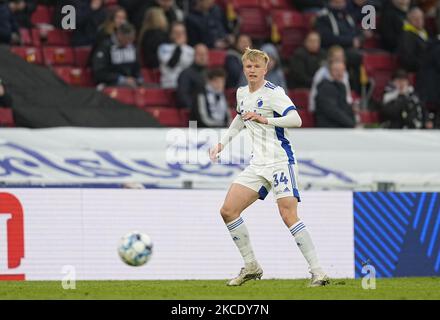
x=45, y=231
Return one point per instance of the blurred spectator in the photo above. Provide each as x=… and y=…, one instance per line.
x=306, y=61
x=428, y=6
x=23, y=12
x=137, y=8
x=275, y=72
x=116, y=17
x=115, y=61
x=413, y=41
x=9, y=33
x=206, y=23
x=437, y=19
x=90, y=14
x=332, y=109
x=401, y=106
x=233, y=63
x=337, y=27
x=391, y=26
x=211, y=108
x=335, y=54
x=309, y=5
x=5, y=98
x=174, y=57
x=154, y=32
x=191, y=81
x=428, y=78
x=172, y=12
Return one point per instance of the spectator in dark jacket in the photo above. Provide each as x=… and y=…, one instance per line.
x=337, y=27
x=206, y=24
x=115, y=61
x=116, y=17
x=332, y=109
x=391, y=26
x=233, y=63
x=154, y=32
x=211, y=108
x=9, y=33
x=413, y=41
x=5, y=98
x=309, y=5
x=191, y=81
x=90, y=14
x=306, y=61
x=23, y=12
x=401, y=105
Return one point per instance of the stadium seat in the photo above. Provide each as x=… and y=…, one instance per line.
x=42, y=15
x=122, y=94
x=309, y=19
x=26, y=38
x=379, y=67
x=217, y=58
x=372, y=43
x=289, y=28
x=58, y=56
x=6, y=117
x=53, y=37
x=154, y=97
x=252, y=18
x=82, y=55
x=277, y=4
x=300, y=98
x=231, y=97
x=170, y=117
x=151, y=76
x=308, y=118
x=75, y=76
x=30, y=54
x=369, y=117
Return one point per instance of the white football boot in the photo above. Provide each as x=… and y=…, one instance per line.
x=319, y=280
x=252, y=271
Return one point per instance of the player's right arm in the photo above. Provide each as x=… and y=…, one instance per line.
x=234, y=128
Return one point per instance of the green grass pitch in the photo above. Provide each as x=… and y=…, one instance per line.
x=396, y=288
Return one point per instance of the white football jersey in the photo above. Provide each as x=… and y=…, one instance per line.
x=270, y=145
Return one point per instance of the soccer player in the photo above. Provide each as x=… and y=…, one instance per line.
x=265, y=110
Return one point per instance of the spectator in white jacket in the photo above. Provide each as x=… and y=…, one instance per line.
x=174, y=57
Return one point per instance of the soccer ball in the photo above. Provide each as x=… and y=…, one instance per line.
x=135, y=248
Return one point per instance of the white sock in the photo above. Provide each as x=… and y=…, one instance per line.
x=305, y=244
x=240, y=235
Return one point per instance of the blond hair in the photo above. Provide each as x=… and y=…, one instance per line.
x=254, y=54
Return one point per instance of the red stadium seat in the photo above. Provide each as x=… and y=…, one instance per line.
x=300, y=98
x=170, y=117
x=6, y=117
x=30, y=54
x=82, y=55
x=53, y=37
x=231, y=97
x=379, y=67
x=278, y=4
x=369, y=117
x=291, y=28
x=252, y=18
x=217, y=58
x=122, y=94
x=58, y=56
x=75, y=76
x=154, y=97
x=308, y=118
x=151, y=75
x=42, y=14
x=25, y=36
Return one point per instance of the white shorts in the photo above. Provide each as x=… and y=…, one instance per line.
x=282, y=178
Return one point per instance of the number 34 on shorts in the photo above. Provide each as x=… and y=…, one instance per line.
x=284, y=181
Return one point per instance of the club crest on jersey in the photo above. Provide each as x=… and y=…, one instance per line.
x=259, y=102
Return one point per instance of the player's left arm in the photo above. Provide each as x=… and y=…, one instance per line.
x=285, y=114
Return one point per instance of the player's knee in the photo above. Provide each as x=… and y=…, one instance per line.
x=228, y=214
